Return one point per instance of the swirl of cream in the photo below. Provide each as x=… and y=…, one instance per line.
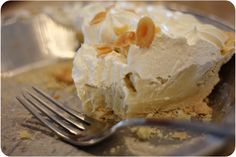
x=177, y=24
x=211, y=34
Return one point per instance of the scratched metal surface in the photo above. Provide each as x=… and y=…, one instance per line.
x=29, y=64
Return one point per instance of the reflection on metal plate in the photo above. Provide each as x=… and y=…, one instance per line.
x=35, y=40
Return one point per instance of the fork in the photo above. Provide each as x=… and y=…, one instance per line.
x=80, y=130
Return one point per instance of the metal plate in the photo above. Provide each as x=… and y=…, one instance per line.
x=31, y=53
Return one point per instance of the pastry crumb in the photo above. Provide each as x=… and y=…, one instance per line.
x=179, y=135
x=202, y=108
x=145, y=133
x=200, y=111
x=24, y=135
x=56, y=96
x=114, y=150
x=64, y=76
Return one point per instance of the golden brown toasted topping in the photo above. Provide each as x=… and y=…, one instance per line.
x=103, y=49
x=145, y=32
x=125, y=39
x=99, y=17
x=120, y=30
x=229, y=44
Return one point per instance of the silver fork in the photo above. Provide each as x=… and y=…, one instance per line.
x=80, y=130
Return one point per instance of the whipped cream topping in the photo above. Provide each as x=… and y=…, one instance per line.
x=181, y=25
x=104, y=32
x=173, y=24
x=177, y=24
x=189, y=42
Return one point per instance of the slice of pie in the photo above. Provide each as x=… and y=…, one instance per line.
x=138, y=62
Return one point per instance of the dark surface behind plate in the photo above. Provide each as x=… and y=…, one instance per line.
x=41, y=141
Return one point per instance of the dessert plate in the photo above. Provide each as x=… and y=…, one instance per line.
x=28, y=59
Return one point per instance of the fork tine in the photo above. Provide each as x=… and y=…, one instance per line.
x=70, y=111
x=60, y=114
x=51, y=116
x=58, y=131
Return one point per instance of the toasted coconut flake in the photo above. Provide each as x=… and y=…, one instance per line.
x=145, y=32
x=99, y=17
x=103, y=49
x=125, y=39
x=120, y=30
